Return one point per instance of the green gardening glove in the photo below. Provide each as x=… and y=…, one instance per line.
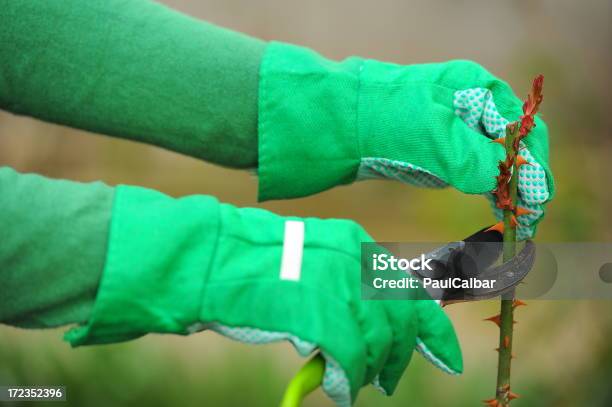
x=325, y=123
x=181, y=266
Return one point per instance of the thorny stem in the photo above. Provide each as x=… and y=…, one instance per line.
x=507, y=309
x=506, y=199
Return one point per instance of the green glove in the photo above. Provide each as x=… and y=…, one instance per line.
x=325, y=123
x=181, y=266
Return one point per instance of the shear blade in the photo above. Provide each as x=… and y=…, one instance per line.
x=473, y=258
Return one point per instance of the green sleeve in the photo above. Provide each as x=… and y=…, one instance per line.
x=133, y=69
x=53, y=240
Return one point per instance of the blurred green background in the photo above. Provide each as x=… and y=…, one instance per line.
x=563, y=348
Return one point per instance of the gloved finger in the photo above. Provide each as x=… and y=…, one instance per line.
x=465, y=159
x=378, y=335
x=405, y=324
x=436, y=341
x=531, y=215
x=479, y=109
x=342, y=381
x=458, y=155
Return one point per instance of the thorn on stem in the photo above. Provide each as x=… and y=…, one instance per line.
x=512, y=396
x=520, y=211
x=498, y=227
x=518, y=303
x=496, y=319
x=520, y=160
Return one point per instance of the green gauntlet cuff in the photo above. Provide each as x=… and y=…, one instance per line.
x=307, y=122
x=155, y=267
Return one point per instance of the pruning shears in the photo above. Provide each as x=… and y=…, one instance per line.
x=471, y=258
x=474, y=258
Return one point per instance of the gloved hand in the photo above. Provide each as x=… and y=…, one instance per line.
x=181, y=266
x=325, y=123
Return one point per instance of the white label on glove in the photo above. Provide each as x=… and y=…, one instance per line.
x=293, y=247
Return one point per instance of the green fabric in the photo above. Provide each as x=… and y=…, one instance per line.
x=52, y=250
x=307, y=122
x=130, y=69
x=174, y=264
x=323, y=123
x=133, y=69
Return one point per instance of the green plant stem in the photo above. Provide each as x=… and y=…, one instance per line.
x=507, y=309
x=305, y=381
